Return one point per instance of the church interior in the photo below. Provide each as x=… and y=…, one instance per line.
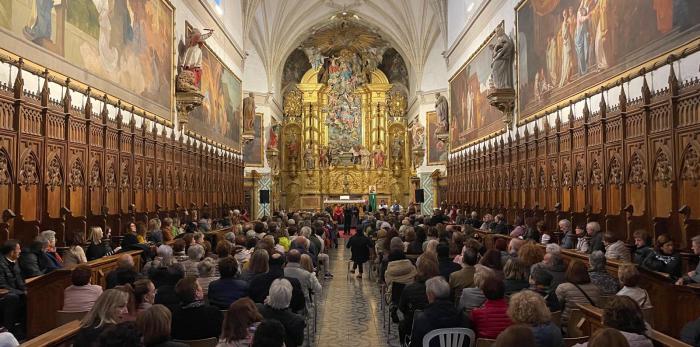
x=350, y=172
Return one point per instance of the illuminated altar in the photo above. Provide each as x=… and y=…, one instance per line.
x=334, y=144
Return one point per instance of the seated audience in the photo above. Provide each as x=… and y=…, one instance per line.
x=568, y=235
x=464, y=278
x=178, y=250
x=12, y=304
x=545, y=234
x=492, y=260
x=519, y=335
x=607, y=284
x=445, y=263
x=276, y=307
x=270, y=333
x=413, y=296
x=259, y=285
x=154, y=324
x=399, y=270
x=440, y=313
x=240, y=323
x=194, y=319
x=690, y=333
x=54, y=256
x=125, y=273
x=500, y=226
x=530, y=254
x=623, y=314
x=473, y=297
x=155, y=235
x=194, y=255
x=205, y=270
x=665, y=258
x=109, y=310
x=98, y=248
x=144, y=294
x=518, y=228
x=492, y=318
x=629, y=277
x=554, y=264
x=583, y=241
x=75, y=254
x=527, y=307
x=596, y=237
x=258, y=264
x=615, y=248
x=227, y=289
x=541, y=283
x=606, y=337
x=123, y=334
x=642, y=248
x=165, y=278
x=81, y=295
x=533, y=229
x=309, y=282
x=692, y=276
x=34, y=261
x=577, y=289
x=164, y=257
x=516, y=276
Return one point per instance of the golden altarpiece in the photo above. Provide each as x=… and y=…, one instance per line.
x=311, y=172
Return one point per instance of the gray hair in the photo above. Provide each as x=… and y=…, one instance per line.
x=552, y=248
x=396, y=244
x=280, y=294
x=438, y=287
x=230, y=237
x=164, y=251
x=565, y=224
x=195, y=252
x=305, y=231
x=593, y=225
x=597, y=261
x=206, y=267
x=48, y=235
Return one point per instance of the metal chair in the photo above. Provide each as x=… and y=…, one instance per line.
x=450, y=337
x=63, y=317
x=210, y=342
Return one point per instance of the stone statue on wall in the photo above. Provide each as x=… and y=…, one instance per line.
x=249, y=113
x=442, y=110
x=366, y=158
x=397, y=148
x=323, y=159
x=378, y=154
x=502, y=64
x=309, y=161
x=190, y=77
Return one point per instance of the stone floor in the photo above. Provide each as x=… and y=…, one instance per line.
x=350, y=312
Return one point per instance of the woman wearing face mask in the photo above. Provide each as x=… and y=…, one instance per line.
x=109, y=310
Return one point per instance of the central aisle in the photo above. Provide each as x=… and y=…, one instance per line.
x=350, y=314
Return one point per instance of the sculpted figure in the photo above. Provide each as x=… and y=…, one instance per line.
x=442, y=110
x=418, y=134
x=192, y=61
x=249, y=113
x=502, y=64
x=309, y=157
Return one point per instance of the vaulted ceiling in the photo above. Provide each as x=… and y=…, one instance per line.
x=276, y=27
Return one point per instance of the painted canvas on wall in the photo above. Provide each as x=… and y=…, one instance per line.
x=344, y=107
x=294, y=68
x=125, y=46
x=220, y=116
x=437, y=149
x=394, y=67
x=472, y=118
x=253, y=150
x=566, y=47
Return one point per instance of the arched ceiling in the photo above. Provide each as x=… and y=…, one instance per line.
x=276, y=27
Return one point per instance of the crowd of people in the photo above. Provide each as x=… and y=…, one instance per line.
x=264, y=275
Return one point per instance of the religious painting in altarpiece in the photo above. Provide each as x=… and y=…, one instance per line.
x=122, y=47
x=569, y=47
x=473, y=119
x=220, y=117
x=253, y=149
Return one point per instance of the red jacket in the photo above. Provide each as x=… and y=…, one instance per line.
x=490, y=319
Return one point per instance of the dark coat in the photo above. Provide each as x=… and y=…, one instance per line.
x=259, y=287
x=514, y=286
x=98, y=251
x=11, y=277
x=359, y=245
x=224, y=291
x=196, y=323
x=88, y=337
x=293, y=324
x=34, y=262
x=438, y=315
x=596, y=243
x=447, y=267
x=642, y=253
x=670, y=264
x=691, y=333
x=348, y=216
x=413, y=298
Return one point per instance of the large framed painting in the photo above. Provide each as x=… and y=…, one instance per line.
x=121, y=47
x=220, y=116
x=437, y=149
x=253, y=149
x=473, y=119
x=567, y=48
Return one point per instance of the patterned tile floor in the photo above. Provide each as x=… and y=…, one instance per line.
x=350, y=311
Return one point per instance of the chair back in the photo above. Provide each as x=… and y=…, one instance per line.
x=556, y=318
x=571, y=341
x=482, y=342
x=63, y=317
x=572, y=329
x=648, y=314
x=396, y=290
x=451, y=337
x=210, y=342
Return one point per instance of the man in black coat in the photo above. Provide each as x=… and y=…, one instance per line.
x=13, y=303
x=124, y=273
x=439, y=314
x=347, y=222
x=259, y=286
x=194, y=319
x=446, y=264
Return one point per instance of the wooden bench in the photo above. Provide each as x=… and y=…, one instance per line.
x=59, y=337
x=45, y=293
x=674, y=305
x=593, y=320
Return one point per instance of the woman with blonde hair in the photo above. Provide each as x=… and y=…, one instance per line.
x=307, y=264
x=240, y=323
x=98, y=248
x=258, y=263
x=528, y=307
x=155, y=323
x=109, y=310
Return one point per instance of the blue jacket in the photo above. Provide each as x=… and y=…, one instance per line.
x=225, y=291
x=548, y=335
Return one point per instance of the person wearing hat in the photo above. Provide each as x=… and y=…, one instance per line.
x=192, y=60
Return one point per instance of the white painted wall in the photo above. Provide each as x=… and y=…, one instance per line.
x=254, y=75
x=435, y=71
